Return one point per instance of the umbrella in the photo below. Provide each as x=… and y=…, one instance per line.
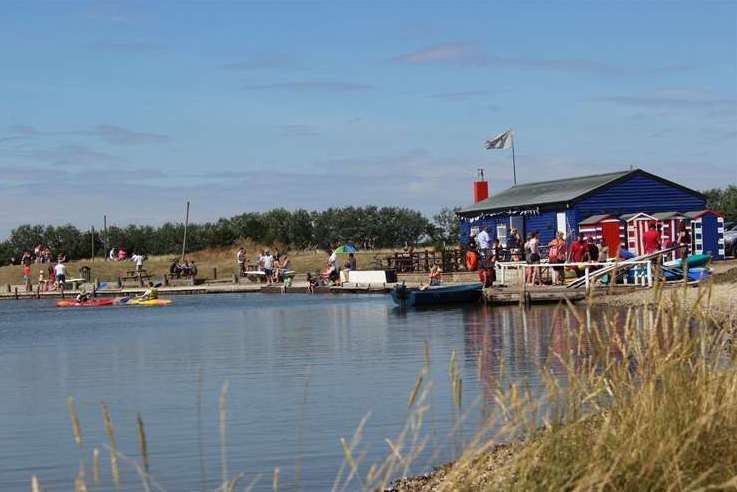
x=346, y=248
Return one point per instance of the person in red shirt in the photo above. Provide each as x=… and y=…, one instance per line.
x=579, y=253
x=651, y=240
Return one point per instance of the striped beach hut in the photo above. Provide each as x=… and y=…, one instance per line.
x=707, y=233
x=637, y=225
x=609, y=229
x=669, y=224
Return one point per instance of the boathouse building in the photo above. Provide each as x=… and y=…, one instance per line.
x=563, y=205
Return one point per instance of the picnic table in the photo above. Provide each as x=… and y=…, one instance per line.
x=139, y=275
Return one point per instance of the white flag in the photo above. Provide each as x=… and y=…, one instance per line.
x=501, y=141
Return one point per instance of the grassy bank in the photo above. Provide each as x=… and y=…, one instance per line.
x=222, y=259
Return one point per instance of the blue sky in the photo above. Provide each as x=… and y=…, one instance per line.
x=130, y=109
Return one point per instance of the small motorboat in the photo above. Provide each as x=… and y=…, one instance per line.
x=105, y=301
x=436, y=295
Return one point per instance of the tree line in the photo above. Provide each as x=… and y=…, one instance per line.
x=367, y=227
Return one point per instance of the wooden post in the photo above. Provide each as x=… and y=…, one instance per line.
x=186, y=224
x=120, y=283
x=235, y=278
x=214, y=273
x=16, y=293
x=166, y=280
x=586, y=278
x=649, y=274
x=94, y=290
x=38, y=291
x=9, y=288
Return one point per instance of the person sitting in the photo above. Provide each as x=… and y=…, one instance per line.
x=42, y=282
x=83, y=296
x=436, y=275
x=312, y=282
x=122, y=254
x=351, y=263
x=150, y=293
x=174, y=269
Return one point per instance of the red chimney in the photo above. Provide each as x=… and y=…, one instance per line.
x=480, y=188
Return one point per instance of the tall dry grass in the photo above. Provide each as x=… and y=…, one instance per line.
x=647, y=400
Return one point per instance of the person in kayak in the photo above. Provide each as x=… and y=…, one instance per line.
x=150, y=294
x=83, y=295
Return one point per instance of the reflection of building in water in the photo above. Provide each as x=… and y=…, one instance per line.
x=506, y=345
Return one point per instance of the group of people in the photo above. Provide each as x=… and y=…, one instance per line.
x=483, y=253
x=49, y=278
x=119, y=254
x=274, y=265
x=184, y=268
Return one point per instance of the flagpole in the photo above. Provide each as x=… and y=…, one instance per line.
x=514, y=164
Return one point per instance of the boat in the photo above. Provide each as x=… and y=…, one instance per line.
x=105, y=301
x=149, y=302
x=436, y=295
x=693, y=261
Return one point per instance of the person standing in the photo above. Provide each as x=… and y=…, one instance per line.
x=532, y=248
x=61, y=274
x=557, y=254
x=268, y=263
x=483, y=240
x=579, y=253
x=684, y=240
x=240, y=258
x=138, y=260
x=27, y=277
x=651, y=240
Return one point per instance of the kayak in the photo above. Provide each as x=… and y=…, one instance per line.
x=693, y=261
x=91, y=303
x=150, y=302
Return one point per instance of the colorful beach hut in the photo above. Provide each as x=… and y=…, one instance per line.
x=637, y=225
x=669, y=223
x=608, y=229
x=707, y=233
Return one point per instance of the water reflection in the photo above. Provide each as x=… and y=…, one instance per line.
x=359, y=354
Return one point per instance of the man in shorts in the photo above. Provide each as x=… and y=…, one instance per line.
x=60, y=270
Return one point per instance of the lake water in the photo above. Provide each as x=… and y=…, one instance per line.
x=302, y=371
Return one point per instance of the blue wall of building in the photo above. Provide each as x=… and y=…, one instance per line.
x=638, y=194
x=544, y=223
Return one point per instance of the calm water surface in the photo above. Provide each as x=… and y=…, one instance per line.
x=302, y=372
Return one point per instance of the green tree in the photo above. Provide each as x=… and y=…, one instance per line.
x=447, y=225
x=724, y=200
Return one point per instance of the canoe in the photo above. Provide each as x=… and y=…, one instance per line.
x=91, y=303
x=693, y=261
x=150, y=302
x=437, y=296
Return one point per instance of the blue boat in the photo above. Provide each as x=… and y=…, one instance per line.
x=436, y=296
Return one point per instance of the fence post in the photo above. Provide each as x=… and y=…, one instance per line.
x=214, y=273
x=586, y=277
x=649, y=274
x=16, y=293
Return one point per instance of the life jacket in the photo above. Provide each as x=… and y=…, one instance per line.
x=472, y=260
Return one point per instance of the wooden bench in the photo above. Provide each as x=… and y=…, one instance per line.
x=140, y=276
